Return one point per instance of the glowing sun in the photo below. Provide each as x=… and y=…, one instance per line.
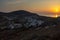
x=56, y=11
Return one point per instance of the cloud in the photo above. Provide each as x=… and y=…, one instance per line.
x=8, y=5
x=16, y=2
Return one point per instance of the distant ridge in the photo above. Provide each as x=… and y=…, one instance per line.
x=22, y=17
x=20, y=12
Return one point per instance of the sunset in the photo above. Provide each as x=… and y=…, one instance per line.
x=35, y=6
x=29, y=19
x=56, y=11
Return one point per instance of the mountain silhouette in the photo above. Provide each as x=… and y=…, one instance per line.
x=24, y=25
x=27, y=19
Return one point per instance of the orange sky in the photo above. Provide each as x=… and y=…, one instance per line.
x=35, y=6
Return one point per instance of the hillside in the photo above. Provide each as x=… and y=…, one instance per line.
x=51, y=33
x=24, y=25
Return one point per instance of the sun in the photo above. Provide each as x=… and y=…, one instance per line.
x=56, y=10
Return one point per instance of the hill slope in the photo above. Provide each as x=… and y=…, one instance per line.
x=23, y=25
x=18, y=19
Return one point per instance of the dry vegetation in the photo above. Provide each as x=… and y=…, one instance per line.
x=51, y=33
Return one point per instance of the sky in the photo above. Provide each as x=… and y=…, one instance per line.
x=29, y=5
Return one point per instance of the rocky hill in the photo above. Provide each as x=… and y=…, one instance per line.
x=18, y=19
x=24, y=25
